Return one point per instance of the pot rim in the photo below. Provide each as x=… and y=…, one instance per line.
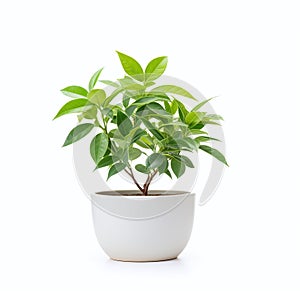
x=137, y=194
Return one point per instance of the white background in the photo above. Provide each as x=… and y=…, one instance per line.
x=248, y=236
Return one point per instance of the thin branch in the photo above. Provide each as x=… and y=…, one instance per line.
x=149, y=182
x=134, y=180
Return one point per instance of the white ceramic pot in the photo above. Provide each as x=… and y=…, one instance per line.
x=137, y=228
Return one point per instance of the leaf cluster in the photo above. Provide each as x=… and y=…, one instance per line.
x=150, y=123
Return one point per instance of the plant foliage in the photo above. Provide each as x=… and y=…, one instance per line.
x=149, y=124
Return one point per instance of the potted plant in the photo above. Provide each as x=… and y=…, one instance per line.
x=140, y=128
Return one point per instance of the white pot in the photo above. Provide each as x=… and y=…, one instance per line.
x=137, y=228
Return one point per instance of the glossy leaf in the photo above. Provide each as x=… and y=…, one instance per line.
x=197, y=107
x=110, y=83
x=167, y=107
x=142, y=168
x=137, y=134
x=194, y=117
x=78, y=132
x=115, y=169
x=164, y=165
x=147, y=100
x=182, y=111
x=130, y=109
x=187, y=161
x=215, y=153
x=190, y=143
x=168, y=173
x=173, y=124
x=98, y=147
x=74, y=92
x=155, y=160
x=113, y=95
x=156, y=68
x=90, y=113
x=178, y=167
x=97, y=96
x=174, y=107
x=214, y=117
x=200, y=139
x=134, y=153
x=173, y=89
x=94, y=79
x=130, y=84
x=131, y=66
x=73, y=106
x=124, y=123
x=105, y=161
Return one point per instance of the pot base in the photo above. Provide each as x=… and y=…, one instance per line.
x=142, y=261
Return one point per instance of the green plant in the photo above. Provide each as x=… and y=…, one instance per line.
x=148, y=121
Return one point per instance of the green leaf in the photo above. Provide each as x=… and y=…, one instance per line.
x=147, y=100
x=189, y=143
x=204, y=139
x=181, y=110
x=98, y=147
x=127, y=81
x=142, y=144
x=141, y=168
x=156, y=68
x=149, y=84
x=197, y=126
x=129, y=110
x=194, y=131
x=173, y=124
x=97, y=96
x=78, y=132
x=145, y=141
x=151, y=128
x=178, y=167
x=112, y=96
x=155, y=160
x=167, y=107
x=194, y=117
x=173, y=89
x=134, y=153
x=174, y=107
x=167, y=172
x=115, y=169
x=164, y=166
x=130, y=84
x=201, y=104
x=110, y=83
x=187, y=161
x=90, y=113
x=125, y=100
x=73, y=106
x=183, y=143
x=131, y=67
x=137, y=134
x=94, y=79
x=105, y=161
x=215, y=153
x=74, y=91
x=124, y=123
x=107, y=112
x=214, y=117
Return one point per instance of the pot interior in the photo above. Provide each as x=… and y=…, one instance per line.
x=139, y=193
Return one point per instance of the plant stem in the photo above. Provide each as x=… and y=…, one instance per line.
x=145, y=187
x=148, y=182
x=130, y=173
